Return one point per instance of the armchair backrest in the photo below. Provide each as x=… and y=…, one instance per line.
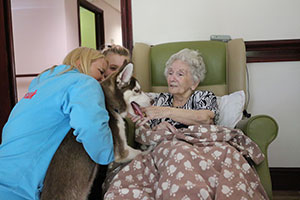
x=225, y=65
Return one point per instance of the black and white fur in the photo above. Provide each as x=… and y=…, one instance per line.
x=71, y=172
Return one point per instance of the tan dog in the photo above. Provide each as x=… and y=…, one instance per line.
x=71, y=172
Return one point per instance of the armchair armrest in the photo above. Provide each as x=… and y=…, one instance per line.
x=262, y=129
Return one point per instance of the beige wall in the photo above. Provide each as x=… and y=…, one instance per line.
x=274, y=87
x=112, y=22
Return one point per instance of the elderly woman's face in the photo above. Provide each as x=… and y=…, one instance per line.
x=180, y=81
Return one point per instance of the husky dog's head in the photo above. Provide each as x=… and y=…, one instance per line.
x=123, y=93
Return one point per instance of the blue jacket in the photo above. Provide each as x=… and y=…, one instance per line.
x=40, y=120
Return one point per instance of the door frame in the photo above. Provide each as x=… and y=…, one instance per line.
x=7, y=65
x=126, y=21
x=126, y=18
x=99, y=22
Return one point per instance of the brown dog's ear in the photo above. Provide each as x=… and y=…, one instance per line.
x=125, y=75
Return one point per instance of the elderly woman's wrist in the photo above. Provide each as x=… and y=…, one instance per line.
x=167, y=112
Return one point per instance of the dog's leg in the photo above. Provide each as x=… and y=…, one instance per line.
x=97, y=192
x=125, y=153
x=131, y=153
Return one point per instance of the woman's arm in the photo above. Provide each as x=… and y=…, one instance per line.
x=84, y=102
x=188, y=117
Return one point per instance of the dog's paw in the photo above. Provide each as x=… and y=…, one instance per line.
x=149, y=149
x=132, y=153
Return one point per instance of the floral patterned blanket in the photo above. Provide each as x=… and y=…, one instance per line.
x=200, y=162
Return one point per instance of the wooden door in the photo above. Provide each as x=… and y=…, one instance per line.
x=7, y=74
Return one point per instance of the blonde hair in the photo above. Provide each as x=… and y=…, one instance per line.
x=117, y=49
x=85, y=55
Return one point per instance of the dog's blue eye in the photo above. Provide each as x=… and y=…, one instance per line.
x=116, y=110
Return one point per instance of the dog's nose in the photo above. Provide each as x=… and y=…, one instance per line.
x=151, y=101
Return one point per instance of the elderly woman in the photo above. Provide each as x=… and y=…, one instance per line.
x=191, y=157
x=183, y=105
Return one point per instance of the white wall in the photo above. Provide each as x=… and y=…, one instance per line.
x=275, y=90
x=274, y=87
x=170, y=20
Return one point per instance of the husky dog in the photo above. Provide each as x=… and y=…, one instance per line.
x=71, y=172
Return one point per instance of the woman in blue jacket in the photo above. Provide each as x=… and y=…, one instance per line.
x=62, y=97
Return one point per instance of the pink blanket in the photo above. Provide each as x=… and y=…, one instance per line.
x=200, y=162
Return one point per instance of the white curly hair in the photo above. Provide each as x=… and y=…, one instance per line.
x=193, y=59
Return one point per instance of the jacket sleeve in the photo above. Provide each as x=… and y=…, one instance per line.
x=84, y=102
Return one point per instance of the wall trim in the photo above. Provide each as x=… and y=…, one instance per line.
x=285, y=178
x=26, y=75
x=273, y=50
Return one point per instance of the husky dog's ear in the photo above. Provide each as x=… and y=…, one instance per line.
x=125, y=75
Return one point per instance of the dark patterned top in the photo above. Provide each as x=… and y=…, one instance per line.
x=199, y=100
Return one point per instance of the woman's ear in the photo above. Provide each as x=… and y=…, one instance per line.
x=77, y=63
x=195, y=85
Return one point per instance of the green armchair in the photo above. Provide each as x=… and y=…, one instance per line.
x=226, y=73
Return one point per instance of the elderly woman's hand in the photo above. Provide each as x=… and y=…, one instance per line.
x=206, y=116
x=165, y=126
x=155, y=112
x=133, y=118
x=151, y=112
x=138, y=120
